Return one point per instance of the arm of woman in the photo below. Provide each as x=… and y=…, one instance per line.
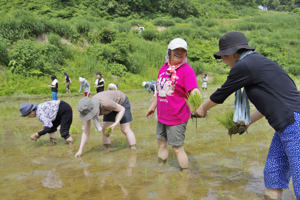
x=151, y=109
x=255, y=116
x=121, y=111
x=202, y=110
x=84, y=137
x=70, y=80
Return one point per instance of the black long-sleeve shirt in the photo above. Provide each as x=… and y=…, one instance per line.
x=268, y=86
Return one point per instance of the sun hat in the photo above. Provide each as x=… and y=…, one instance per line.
x=26, y=108
x=177, y=43
x=230, y=43
x=144, y=83
x=81, y=79
x=88, y=108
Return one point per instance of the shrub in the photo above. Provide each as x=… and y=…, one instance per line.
x=4, y=59
x=149, y=34
x=124, y=27
x=136, y=22
x=294, y=69
x=107, y=35
x=31, y=59
x=164, y=22
x=199, y=67
x=210, y=23
x=117, y=69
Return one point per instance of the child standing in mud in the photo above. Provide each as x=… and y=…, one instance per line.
x=115, y=107
x=176, y=81
x=275, y=96
x=51, y=114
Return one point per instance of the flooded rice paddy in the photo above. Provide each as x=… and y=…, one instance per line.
x=220, y=167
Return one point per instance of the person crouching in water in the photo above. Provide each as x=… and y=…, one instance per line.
x=51, y=114
x=109, y=103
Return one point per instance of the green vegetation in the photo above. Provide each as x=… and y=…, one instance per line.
x=108, y=130
x=194, y=101
x=41, y=38
x=226, y=119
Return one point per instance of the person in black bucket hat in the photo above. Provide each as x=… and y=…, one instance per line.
x=51, y=114
x=275, y=96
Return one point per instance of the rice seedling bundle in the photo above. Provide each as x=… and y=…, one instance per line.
x=227, y=121
x=194, y=102
x=108, y=130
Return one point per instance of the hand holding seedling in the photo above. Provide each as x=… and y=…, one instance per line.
x=109, y=130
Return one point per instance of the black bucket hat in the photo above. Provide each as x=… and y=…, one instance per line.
x=26, y=108
x=230, y=43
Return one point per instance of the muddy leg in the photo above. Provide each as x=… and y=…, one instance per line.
x=181, y=157
x=273, y=194
x=163, y=152
x=125, y=128
x=52, y=137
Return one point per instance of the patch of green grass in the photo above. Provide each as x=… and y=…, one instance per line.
x=108, y=130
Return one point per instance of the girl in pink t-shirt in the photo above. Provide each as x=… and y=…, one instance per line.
x=176, y=80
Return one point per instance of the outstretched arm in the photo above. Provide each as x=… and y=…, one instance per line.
x=202, y=110
x=84, y=137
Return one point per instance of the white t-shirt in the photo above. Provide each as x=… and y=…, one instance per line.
x=54, y=82
x=96, y=82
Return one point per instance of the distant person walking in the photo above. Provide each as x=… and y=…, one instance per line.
x=51, y=114
x=99, y=83
x=68, y=81
x=204, y=84
x=54, y=87
x=85, y=85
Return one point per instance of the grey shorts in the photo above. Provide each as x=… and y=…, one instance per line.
x=111, y=117
x=173, y=134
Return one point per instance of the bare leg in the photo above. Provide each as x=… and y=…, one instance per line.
x=273, y=194
x=52, y=137
x=106, y=140
x=163, y=152
x=181, y=156
x=125, y=128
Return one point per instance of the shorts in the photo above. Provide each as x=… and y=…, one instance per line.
x=111, y=117
x=283, y=161
x=173, y=134
x=86, y=94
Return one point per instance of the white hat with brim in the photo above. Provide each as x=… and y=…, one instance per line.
x=177, y=43
x=88, y=108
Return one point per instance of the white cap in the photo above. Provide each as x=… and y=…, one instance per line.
x=144, y=83
x=177, y=43
x=81, y=79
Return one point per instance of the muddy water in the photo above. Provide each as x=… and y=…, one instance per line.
x=221, y=168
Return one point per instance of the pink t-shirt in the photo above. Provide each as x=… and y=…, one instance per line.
x=173, y=109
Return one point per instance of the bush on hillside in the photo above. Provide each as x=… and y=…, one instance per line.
x=31, y=59
x=150, y=34
x=164, y=22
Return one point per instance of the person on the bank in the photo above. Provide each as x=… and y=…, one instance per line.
x=51, y=114
x=85, y=85
x=99, y=83
x=176, y=80
x=275, y=96
x=68, y=81
x=204, y=84
x=110, y=103
x=54, y=87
